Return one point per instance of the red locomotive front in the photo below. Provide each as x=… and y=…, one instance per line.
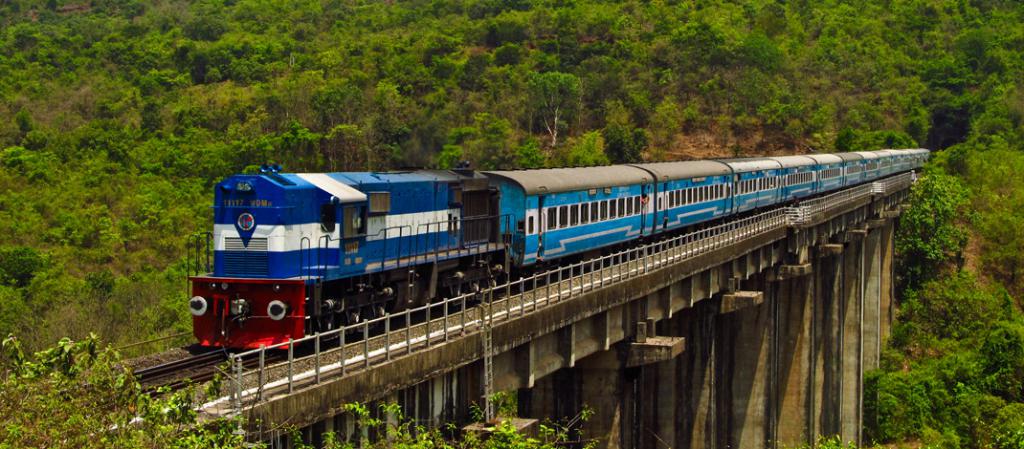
x=247, y=313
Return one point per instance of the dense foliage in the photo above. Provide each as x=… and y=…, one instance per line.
x=953, y=376
x=77, y=395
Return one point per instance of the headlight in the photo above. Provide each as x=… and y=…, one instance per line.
x=276, y=310
x=197, y=305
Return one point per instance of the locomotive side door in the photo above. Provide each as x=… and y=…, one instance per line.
x=478, y=220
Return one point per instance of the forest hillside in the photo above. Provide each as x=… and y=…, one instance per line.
x=118, y=116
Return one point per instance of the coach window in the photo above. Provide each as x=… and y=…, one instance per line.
x=585, y=213
x=594, y=211
x=552, y=218
x=563, y=216
x=529, y=225
x=622, y=207
x=629, y=206
x=604, y=210
x=574, y=215
x=611, y=209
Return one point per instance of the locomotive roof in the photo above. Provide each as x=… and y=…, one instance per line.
x=665, y=171
x=331, y=183
x=748, y=164
x=554, y=180
x=793, y=161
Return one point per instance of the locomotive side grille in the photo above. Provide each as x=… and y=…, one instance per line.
x=241, y=260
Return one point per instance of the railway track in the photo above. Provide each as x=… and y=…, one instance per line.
x=192, y=370
x=178, y=373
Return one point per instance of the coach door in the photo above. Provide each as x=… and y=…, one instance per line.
x=647, y=190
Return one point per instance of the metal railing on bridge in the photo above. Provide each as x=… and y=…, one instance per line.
x=376, y=342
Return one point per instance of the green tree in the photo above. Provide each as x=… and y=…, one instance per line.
x=932, y=235
x=624, y=142
x=666, y=123
x=555, y=98
x=587, y=150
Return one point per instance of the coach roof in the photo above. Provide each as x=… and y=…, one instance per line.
x=826, y=158
x=743, y=165
x=554, y=180
x=793, y=161
x=666, y=171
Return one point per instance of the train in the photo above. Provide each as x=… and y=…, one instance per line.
x=292, y=254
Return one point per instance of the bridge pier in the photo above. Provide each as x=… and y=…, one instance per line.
x=851, y=339
x=794, y=325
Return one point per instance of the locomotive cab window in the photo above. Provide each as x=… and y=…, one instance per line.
x=328, y=217
x=353, y=224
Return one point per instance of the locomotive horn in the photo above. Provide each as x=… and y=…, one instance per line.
x=197, y=305
x=276, y=310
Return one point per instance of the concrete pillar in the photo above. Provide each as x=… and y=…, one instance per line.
x=742, y=375
x=664, y=393
x=556, y=396
x=696, y=398
x=872, y=298
x=604, y=388
x=827, y=344
x=851, y=311
x=888, y=303
x=793, y=362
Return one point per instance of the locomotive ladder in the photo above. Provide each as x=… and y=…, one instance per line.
x=488, y=356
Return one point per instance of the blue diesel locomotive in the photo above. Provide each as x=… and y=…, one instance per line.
x=295, y=253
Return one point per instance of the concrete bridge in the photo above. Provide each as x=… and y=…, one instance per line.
x=751, y=333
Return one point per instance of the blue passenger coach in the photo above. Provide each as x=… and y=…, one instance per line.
x=798, y=176
x=756, y=183
x=689, y=192
x=829, y=169
x=565, y=211
x=853, y=168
